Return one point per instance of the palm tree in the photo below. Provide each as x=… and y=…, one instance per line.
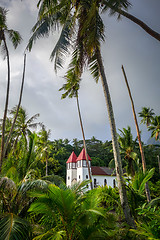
x=155, y=127
x=15, y=38
x=71, y=87
x=23, y=123
x=127, y=146
x=18, y=106
x=44, y=146
x=147, y=115
x=138, y=134
x=86, y=37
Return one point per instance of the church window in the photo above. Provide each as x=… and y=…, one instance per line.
x=79, y=163
x=68, y=177
x=86, y=176
x=95, y=183
x=114, y=183
x=73, y=165
x=79, y=177
x=84, y=163
x=105, y=182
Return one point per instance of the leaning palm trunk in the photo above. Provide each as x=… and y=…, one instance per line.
x=140, y=23
x=18, y=106
x=117, y=158
x=6, y=104
x=84, y=142
x=138, y=135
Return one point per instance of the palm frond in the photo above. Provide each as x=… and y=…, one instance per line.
x=113, y=5
x=34, y=117
x=13, y=227
x=3, y=17
x=94, y=67
x=15, y=37
x=42, y=29
x=62, y=45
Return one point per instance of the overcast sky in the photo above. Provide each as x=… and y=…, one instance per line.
x=126, y=43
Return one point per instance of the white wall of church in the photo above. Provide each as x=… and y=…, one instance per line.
x=100, y=180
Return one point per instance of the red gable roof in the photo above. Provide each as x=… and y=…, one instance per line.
x=82, y=156
x=72, y=158
x=102, y=171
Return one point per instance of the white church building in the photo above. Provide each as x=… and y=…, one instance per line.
x=77, y=171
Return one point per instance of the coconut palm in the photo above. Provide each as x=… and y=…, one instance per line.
x=138, y=133
x=71, y=90
x=127, y=146
x=83, y=29
x=155, y=127
x=147, y=115
x=24, y=124
x=18, y=106
x=15, y=39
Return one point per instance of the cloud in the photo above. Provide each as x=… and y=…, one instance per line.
x=125, y=44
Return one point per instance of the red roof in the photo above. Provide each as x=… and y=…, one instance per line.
x=72, y=158
x=102, y=171
x=82, y=156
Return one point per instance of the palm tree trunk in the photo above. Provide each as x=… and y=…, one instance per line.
x=18, y=106
x=117, y=158
x=84, y=142
x=46, y=163
x=138, y=135
x=6, y=104
x=144, y=26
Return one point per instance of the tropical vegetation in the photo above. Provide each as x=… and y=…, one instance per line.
x=35, y=203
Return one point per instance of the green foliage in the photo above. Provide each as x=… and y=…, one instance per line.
x=149, y=227
x=12, y=227
x=63, y=212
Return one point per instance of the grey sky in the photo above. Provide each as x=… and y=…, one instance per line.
x=125, y=44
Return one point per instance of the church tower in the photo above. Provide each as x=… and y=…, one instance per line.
x=82, y=169
x=71, y=177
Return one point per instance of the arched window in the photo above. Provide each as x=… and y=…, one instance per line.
x=114, y=183
x=105, y=182
x=95, y=183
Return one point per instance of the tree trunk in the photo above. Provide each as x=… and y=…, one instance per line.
x=117, y=158
x=84, y=143
x=46, y=164
x=145, y=27
x=6, y=105
x=138, y=135
x=18, y=106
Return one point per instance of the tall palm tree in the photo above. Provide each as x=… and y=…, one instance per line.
x=15, y=39
x=83, y=29
x=18, y=106
x=71, y=90
x=147, y=115
x=155, y=127
x=138, y=134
